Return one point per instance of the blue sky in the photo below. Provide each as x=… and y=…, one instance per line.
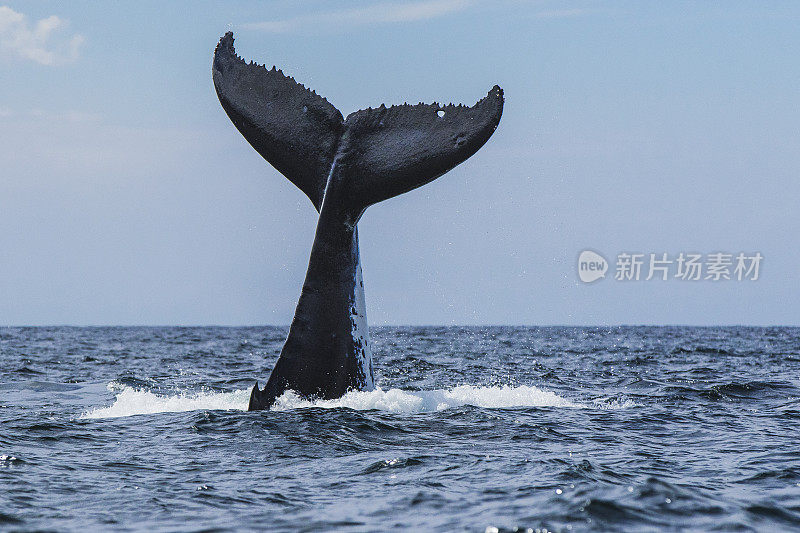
x=127, y=197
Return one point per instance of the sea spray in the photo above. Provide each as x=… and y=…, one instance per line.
x=131, y=401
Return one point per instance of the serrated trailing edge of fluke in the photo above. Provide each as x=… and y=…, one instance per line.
x=225, y=50
x=487, y=110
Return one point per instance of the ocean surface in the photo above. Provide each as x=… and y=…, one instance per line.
x=471, y=429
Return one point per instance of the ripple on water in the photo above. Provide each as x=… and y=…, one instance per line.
x=619, y=429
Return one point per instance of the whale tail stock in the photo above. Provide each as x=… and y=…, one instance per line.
x=347, y=164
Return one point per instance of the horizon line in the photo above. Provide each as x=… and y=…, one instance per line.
x=489, y=325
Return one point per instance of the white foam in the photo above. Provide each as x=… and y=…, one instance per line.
x=401, y=401
x=131, y=401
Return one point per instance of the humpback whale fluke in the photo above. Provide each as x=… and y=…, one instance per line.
x=343, y=166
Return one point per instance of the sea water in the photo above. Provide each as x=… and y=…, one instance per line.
x=468, y=429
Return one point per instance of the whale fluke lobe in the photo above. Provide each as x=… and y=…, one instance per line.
x=389, y=151
x=293, y=128
x=343, y=166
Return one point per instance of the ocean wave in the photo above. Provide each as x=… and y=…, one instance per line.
x=131, y=401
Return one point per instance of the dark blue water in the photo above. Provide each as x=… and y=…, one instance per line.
x=564, y=429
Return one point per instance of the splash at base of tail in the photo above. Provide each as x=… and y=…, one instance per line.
x=343, y=166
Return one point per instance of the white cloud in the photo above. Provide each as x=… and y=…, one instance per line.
x=44, y=42
x=376, y=14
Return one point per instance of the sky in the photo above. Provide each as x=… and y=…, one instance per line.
x=128, y=198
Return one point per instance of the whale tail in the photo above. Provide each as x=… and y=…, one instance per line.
x=387, y=151
x=343, y=165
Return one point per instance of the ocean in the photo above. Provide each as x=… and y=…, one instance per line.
x=483, y=429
